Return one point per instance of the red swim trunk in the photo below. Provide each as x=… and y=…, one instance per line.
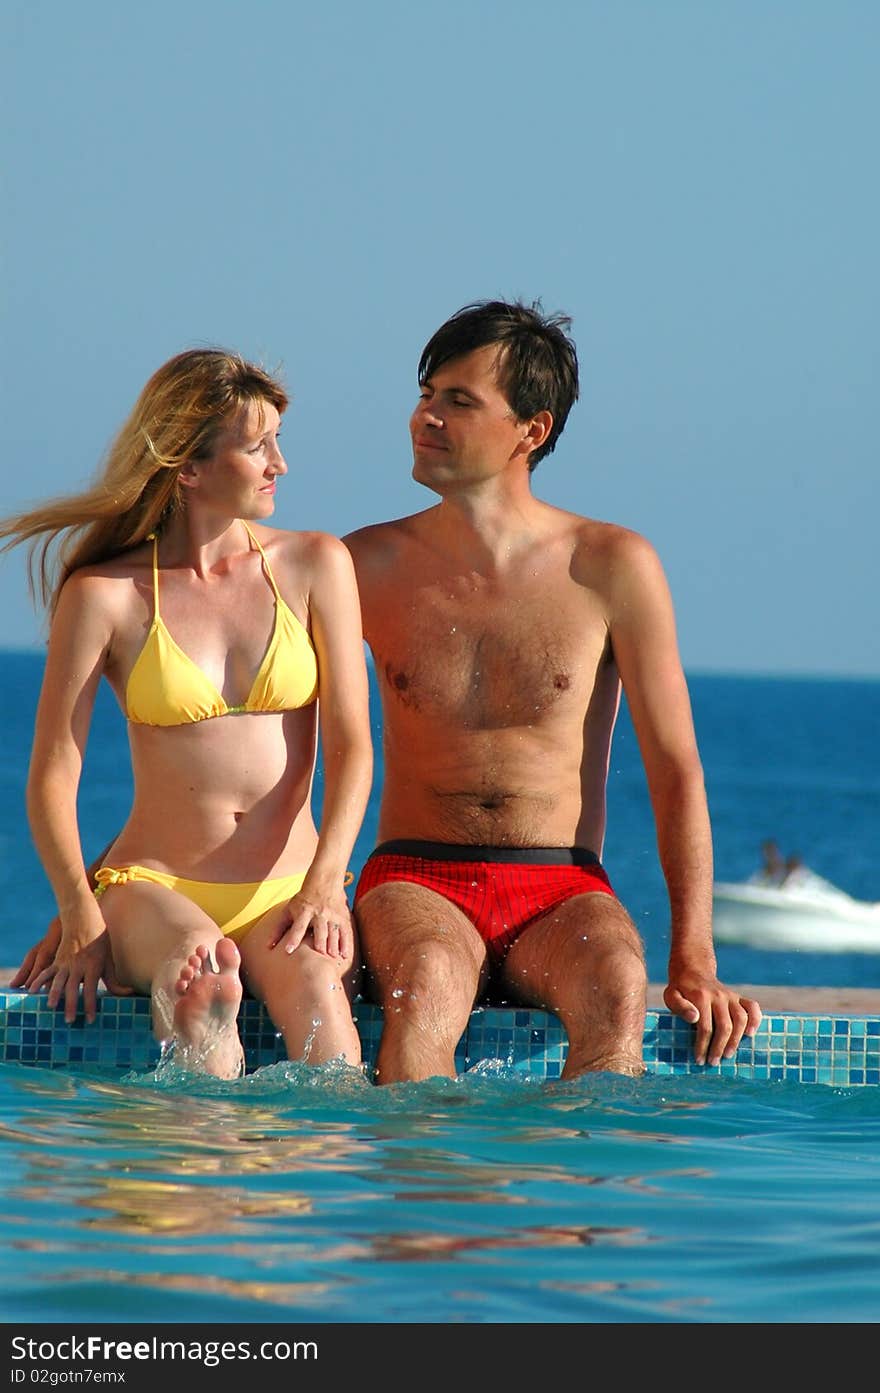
x=502, y=890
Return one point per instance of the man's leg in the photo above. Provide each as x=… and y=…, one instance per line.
x=585, y=962
x=426, y=963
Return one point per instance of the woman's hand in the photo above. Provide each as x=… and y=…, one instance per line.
x=327, y=917
x=82, y=958
x=38, y=967
x=37, y=959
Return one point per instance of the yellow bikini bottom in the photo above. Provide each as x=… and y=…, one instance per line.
x=234, y=908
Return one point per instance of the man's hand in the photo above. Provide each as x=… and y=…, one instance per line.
x=722, y=1017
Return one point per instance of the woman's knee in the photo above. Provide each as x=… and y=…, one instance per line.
x=303, y=978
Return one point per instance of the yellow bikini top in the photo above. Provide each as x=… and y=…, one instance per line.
x=165, y=688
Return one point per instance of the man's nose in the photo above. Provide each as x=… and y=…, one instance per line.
x=429, y=414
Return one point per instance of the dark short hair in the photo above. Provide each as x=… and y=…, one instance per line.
x=537, y=365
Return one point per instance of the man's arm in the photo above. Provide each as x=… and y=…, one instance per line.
x=645, y=645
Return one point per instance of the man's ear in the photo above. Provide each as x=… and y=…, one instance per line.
x=539, y=428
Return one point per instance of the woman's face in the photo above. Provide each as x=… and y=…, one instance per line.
x=246, y=460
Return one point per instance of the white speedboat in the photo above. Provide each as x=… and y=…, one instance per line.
x=804, y=912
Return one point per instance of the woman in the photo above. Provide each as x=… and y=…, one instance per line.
x=225, y=641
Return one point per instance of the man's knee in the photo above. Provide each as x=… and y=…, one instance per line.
x=617, y=939
x=589, y=946
x=617, y=962
x=426, y=1003
x=419, y=971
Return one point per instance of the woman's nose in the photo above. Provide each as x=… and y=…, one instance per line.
x=277, y=462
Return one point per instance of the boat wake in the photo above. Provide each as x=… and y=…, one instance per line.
x=804, y=912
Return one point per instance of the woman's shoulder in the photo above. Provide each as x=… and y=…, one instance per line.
x=127, y=566
x=300, y=548
x=110, y=584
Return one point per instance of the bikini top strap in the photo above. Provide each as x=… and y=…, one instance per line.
x=266, y=566
x=155, y=576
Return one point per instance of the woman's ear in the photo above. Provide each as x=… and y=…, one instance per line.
x=188, y=474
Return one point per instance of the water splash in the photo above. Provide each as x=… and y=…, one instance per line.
x=310, y=1039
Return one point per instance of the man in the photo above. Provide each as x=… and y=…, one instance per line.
x=502, y=631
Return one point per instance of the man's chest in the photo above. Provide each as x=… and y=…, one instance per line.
x=484, y=654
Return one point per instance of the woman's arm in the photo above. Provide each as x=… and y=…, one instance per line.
x=347, y=751
x=38, y=964
x=79, y=642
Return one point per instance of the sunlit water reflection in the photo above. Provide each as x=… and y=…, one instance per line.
x=308, y=1194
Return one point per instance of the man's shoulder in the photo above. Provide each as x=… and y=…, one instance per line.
x=605, y=555
x=608, y=538
x=377, y=539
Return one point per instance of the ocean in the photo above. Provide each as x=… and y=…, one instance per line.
x=795, y=759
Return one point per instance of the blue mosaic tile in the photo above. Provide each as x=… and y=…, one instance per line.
x=841, y=1051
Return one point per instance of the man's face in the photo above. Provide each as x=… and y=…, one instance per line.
x=462, y=429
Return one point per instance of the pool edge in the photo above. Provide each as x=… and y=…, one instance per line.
x=841, y=1050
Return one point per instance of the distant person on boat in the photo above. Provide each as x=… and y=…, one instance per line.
x=772, y=870
x=503, y=630
x=777, y=869
x=228, y=644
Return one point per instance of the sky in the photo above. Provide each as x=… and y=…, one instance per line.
x=319, y=186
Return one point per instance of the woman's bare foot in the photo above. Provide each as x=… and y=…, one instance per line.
x=206, y=1014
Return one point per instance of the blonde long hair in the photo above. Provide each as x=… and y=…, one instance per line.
x=175, y=419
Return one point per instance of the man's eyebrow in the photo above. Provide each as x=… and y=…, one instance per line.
x=451, y=389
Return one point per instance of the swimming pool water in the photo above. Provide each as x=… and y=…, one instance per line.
x=304, y=1194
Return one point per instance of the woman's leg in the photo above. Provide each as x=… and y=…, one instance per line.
x=166, y=947
x=307, y=994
